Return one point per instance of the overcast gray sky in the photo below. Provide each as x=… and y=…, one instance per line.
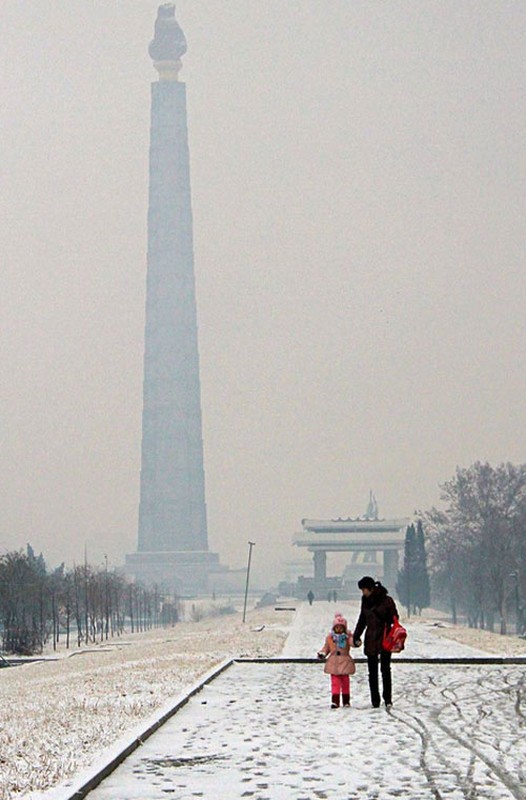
x=358, y=172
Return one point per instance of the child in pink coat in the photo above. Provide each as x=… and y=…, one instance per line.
x=338, y=661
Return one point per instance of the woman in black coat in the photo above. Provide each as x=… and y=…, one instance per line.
x=378, y=610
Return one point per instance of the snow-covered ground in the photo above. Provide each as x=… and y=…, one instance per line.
x=56, y=717
x=312, y=624
x=266, y=731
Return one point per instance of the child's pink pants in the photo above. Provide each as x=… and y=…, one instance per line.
x=340, y=683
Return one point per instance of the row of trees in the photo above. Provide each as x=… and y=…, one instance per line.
x=477, y=545
x=83, y=604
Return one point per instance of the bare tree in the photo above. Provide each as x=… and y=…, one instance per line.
x=477, y=541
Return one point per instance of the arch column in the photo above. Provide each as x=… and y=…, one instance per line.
x=320, y=568
x=390, y=569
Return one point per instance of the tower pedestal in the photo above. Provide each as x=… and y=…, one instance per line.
x=182, y=572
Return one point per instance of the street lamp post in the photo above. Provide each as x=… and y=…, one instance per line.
x=518, y=615
x=106, y=603
x=250, y=546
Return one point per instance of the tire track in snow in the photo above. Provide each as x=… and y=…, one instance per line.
x=455, y=695
x=419, y=728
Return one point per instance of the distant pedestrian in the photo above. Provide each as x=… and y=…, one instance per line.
x=378, y=610
x=338, y=661
x=310, y=597
x=334, y=596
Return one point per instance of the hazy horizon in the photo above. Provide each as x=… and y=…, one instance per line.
x=358, y=176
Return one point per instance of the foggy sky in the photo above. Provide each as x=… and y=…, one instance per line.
x=358, y=172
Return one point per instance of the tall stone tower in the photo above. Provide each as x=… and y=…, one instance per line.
x=173, y=541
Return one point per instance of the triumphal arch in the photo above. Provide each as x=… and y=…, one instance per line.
x=375, y=545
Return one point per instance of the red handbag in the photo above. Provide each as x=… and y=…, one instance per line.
x=394, y=637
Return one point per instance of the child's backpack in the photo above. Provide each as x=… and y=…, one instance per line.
x=394, y=637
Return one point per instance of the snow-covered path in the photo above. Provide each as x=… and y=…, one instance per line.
x=312, y=623
x=265, y=731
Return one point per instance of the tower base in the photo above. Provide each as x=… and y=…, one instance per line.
x=185, y=572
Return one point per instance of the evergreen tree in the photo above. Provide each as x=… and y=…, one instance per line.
x=406, y=576
x=421, y=592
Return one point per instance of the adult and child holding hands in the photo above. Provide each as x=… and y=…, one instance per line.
x=379, y=619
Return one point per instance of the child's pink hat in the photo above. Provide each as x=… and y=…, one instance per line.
x=339, y=620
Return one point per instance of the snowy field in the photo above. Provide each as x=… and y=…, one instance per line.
x=266, y=731
x=57, y=716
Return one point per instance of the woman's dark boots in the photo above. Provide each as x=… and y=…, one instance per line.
x=346, y=699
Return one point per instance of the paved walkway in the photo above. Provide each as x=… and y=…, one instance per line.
x=266, y=732
x=312, y=623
